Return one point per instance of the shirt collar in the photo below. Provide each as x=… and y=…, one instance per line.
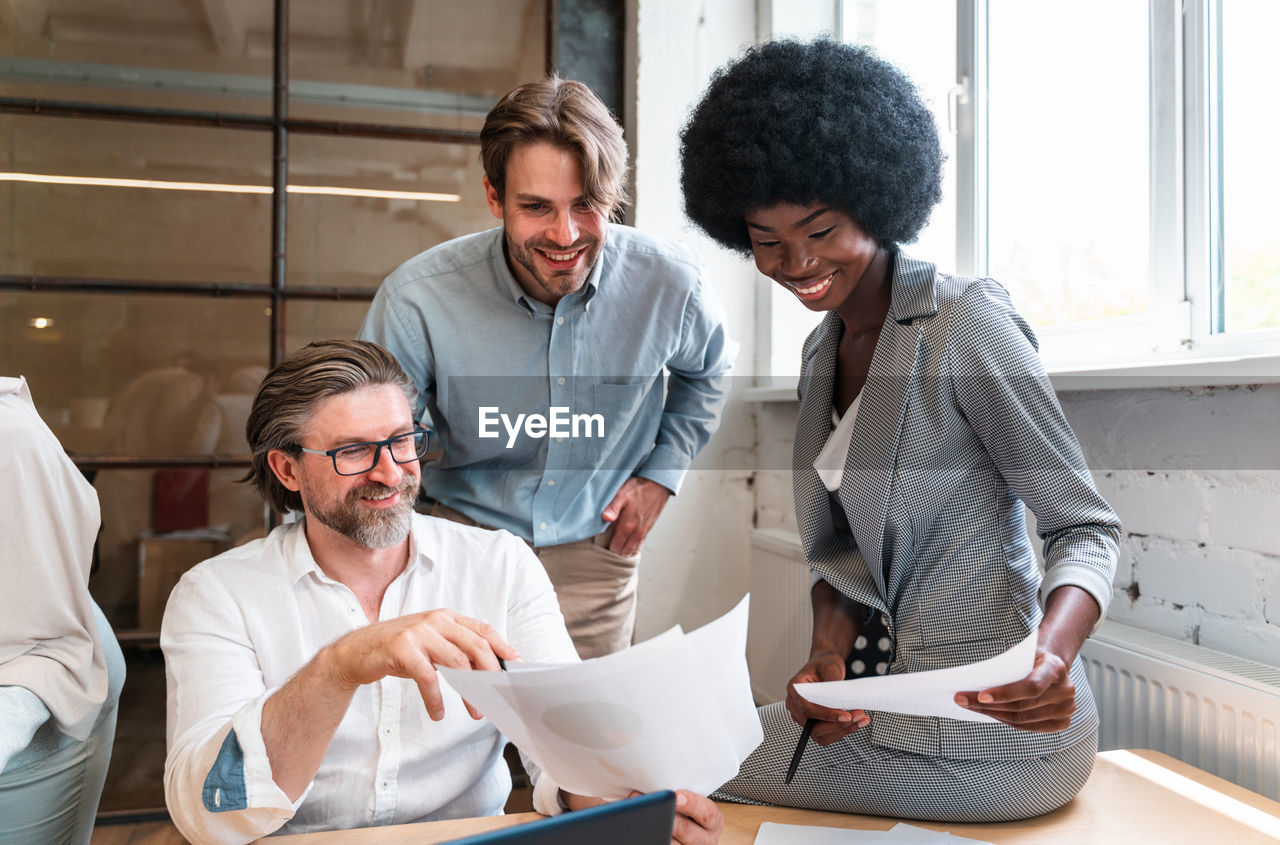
x=300, y=561
x=15, y=385
x=508, y=280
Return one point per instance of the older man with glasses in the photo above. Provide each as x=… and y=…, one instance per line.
x=301, y=681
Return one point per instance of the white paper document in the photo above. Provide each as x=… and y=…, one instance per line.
x=771, y=833
x=674, y=712
x=926, y=693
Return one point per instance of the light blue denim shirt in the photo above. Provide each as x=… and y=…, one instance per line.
x=478, y=349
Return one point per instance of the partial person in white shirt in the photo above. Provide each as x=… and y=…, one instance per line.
x=61, y=670
x=302, y=690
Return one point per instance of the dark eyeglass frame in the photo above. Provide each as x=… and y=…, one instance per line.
x=332, y=454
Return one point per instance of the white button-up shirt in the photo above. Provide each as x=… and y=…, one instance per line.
x=238, y=626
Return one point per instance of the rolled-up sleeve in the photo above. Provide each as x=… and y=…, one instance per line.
x=217, y=781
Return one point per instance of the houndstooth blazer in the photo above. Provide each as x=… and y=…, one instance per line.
x=957, y=428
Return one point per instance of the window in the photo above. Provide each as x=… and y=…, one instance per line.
x=149, y=274
x=1246, y=121
x=1067, y=183
x=1109, y=162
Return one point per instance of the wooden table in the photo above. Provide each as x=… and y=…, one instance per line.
x=1132, y=797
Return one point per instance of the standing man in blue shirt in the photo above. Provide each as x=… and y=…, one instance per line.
x=538, y=350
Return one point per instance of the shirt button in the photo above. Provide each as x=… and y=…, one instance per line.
x=387, y=731
x=560, y=380
x=385, y=785
x=542, y=525
x=351, y=610
x=559, y=439
x=551, y=482
x=559, y=321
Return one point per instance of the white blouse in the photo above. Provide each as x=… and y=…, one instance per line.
x=830, y=461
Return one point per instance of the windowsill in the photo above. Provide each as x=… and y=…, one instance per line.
x=1185, y=372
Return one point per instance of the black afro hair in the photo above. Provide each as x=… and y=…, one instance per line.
x=804, y=122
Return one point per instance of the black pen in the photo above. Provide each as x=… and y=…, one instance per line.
x=502, y=664
x=804, y=740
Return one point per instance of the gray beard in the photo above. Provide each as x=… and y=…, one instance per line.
x=372, y=529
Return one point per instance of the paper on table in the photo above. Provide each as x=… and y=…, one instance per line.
x=907, y=834
x=674, y=712
x=772, y=833
x=926, y=693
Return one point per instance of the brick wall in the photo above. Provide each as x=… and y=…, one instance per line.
x=1194, y=475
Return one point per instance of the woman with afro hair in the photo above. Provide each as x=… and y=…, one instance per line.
x=926, y=422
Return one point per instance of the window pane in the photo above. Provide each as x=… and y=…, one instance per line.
x=141, y=375
x=312, y=320
x=344, y=240
x=1068, y=219
x=1250, y=170
x=436, y=63
x=919, y=37
x=133, y=231
x=203, y=56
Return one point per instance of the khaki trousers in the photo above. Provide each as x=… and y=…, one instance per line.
x=596, y=588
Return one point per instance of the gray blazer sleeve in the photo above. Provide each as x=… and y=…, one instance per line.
x=1001, y=388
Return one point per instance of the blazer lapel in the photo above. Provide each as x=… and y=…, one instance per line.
x=839, y=562
x=868, y=473
x=813, y=426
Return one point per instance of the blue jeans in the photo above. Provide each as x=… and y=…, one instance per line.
x=49, y=791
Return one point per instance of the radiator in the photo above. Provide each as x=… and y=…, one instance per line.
x=1216, y=712
x=1211, y=710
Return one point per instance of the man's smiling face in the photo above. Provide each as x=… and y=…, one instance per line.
x=553, y=233
x=374, y=508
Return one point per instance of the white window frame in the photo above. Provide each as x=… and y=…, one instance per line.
x=1173, y=344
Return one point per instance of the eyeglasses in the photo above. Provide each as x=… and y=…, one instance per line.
x=359, y=458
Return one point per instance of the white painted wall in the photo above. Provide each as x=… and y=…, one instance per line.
x=694, y=562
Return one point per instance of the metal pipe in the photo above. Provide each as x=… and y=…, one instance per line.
x=145, y=114
x=279, y=177
x=552, y=39
x=84, y=462
x=72, y=284
x=227, y=120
